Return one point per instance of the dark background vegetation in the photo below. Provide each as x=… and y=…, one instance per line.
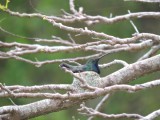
x=14, y=72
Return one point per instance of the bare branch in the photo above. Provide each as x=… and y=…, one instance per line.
x=100, y=105
x=81, y=96
x=19, y=88
x=7, y=90
x=134, y=26
x=152, y=115
x=114, y=62
x=149, y=1
x=91, y=112
x=134, y=70
x=151, y=52
x=72, y=7
x=40, y=63
x=93, y=19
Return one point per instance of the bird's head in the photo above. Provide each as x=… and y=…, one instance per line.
x=93, y=61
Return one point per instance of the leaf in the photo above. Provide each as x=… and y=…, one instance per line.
x=2, y=7
x=7, y=1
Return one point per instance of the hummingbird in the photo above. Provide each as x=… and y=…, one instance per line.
x=90, y=65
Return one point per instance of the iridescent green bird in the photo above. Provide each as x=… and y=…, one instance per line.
x=91, y=65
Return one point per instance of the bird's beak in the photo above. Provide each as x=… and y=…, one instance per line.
x=102, y=56
x=98, y=59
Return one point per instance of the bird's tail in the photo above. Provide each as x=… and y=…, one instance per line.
x=65, y=65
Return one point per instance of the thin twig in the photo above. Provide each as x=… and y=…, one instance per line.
x=100, y=105
x=149, y=1
x=91, y=112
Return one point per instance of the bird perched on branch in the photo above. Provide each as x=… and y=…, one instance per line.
x=91, y=65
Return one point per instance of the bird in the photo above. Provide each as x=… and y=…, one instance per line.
x=90, y=65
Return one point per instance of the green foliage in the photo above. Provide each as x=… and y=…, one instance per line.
x=4, y=7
